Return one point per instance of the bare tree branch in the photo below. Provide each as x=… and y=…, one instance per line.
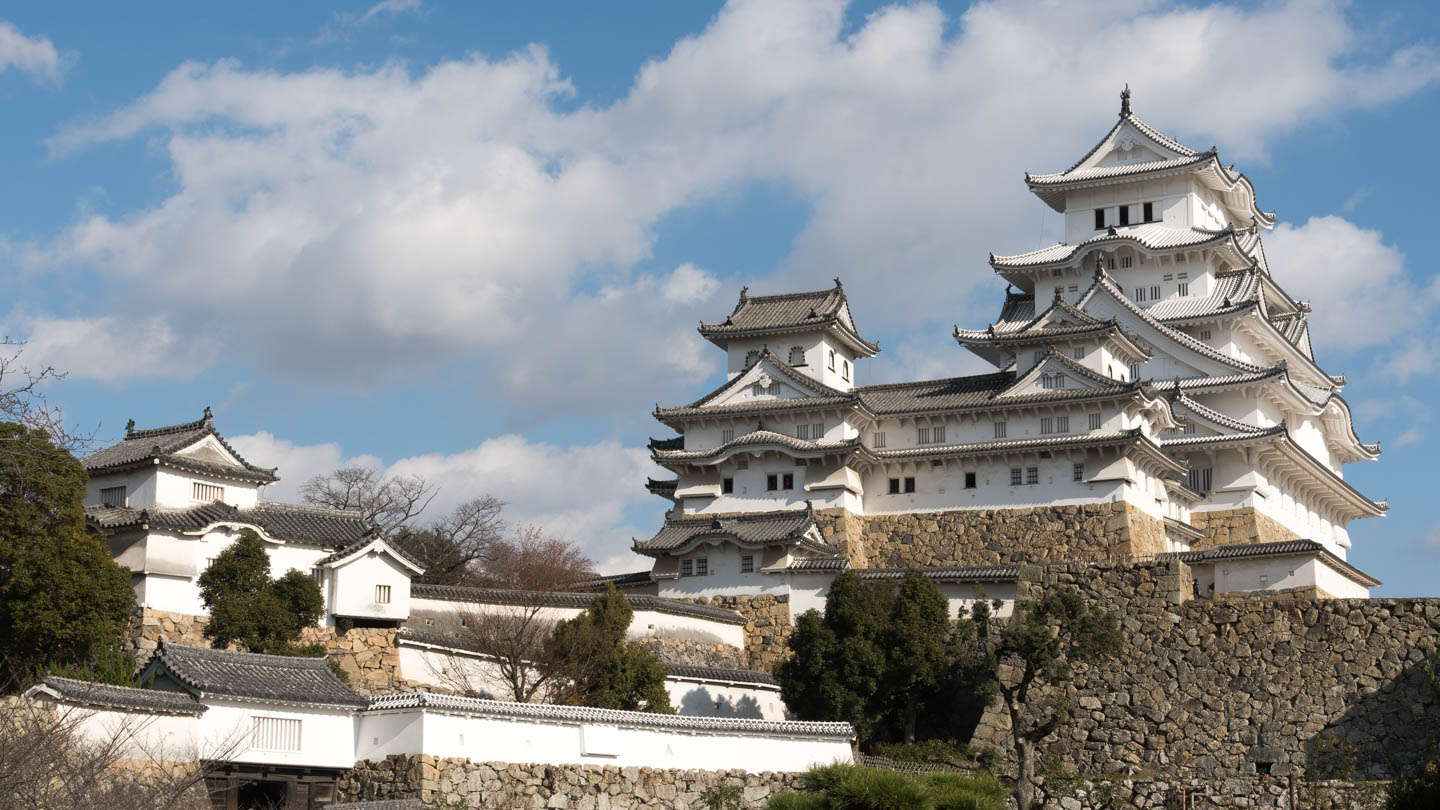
x=22, y=399
x=389, y=503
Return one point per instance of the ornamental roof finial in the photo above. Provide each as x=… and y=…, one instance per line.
x=744, y=292
x=129, y=426
x=208, y=415
x=1125, y=101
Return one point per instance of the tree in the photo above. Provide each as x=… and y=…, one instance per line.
x=516, y=641
x=1030, y=660
x=915, y=646
x=63, y=599
x=532, y=561
x=597, y=667
x=248, y=608
x=23, y=402
x=839, y=662
x=447, y=546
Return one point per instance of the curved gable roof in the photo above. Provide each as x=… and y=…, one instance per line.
x=164, y=445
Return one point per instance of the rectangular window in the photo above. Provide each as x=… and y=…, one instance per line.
x=1039, y=356
x=1182, y=289
x=208, y=492
x=1140, y=294
x=1187, y=427
x=1134, y=372
x=382, y=594
x=894, y=486
x=1015, y=476
x=1047, y=424
x=1110, y=263
x=877, y=439
x=113, y=496
x=1181, y=276
x=938, y=434
x=1124, y=215
x=727, y=486
x=702, y=566
x=1099, y=219
x=742, y=463
x=1200, y=479
x=802, y=431
x=922, y=435
x=817, y=431
x=1168, y=277
x=316, y=573
x=999, y=430
x=747, y=563
x=756, y=389
x=1148, y=212
x=1032, y=475
x=1073, y=288
x=1079, y=352
x=1204, y=334
x=772, y=482
x=1155, y=293
x=275, y=734
x=727, y=435
x=687, y=568
x=1062, y=424
x=788, y=480
x=1126, y=262
x=1077, y=472
x=774, y=389
x=1094, y=421
x=909, y=484
x=969, y=480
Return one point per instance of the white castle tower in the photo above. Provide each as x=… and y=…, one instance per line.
x=1156, y=393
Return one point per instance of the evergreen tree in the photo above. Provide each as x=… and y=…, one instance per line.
x=599, y=668
x=248, y=608
x=63, y=600
x=914, y=642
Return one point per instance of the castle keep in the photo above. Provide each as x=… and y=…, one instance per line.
x=1156, y=393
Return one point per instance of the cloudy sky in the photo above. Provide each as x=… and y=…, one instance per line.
x=472, y=241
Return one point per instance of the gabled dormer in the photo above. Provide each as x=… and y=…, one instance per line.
x=769, y=386
x=813, y=332
x=175, y=467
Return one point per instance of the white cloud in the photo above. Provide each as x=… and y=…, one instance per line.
x=112, y=349
x=35, y=56
x=1411, y=436
x=386, y=220
x=342, y=22
x=579, y=492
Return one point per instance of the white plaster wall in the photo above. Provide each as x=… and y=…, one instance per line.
x=355, y=585
x=1169, y=195
x=139, y=487
x=451, y=669
x=943, y=488
x=175, y=594
x=327, y=736
x=175, y=489
x=693, y=698
x=644, y=624
x=1335, y=583
x=809, y=590
x=141, y=735
x=489, y=739
x=1263, y=574
x=725, y=578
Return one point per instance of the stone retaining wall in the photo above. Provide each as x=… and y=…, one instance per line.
x=767, y=626
x=1237, y=527
x=441, y=782
x=1313, y=687
x=1252, y=794
x=695, y=653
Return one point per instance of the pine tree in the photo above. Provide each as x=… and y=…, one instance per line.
x=915, y=647
x=599, y=668
x=247, y=608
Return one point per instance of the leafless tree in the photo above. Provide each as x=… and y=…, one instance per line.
x=47, y=760
x=502, y=647
x=23, y=401
x=448, y=546
x=534, y=561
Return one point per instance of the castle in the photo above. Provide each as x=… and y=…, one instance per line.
x=1156, y=394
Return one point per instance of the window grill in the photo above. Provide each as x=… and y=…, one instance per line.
x=275, y=734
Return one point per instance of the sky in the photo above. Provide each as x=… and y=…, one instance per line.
x=472, y=241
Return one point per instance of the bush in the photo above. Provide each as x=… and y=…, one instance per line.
x=797, y=801
x=846, y=787
x=957, y=791
x=944, y=752
x=875, y=789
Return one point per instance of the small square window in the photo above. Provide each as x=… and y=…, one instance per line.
x=1182, y=289
x=817, y=431
x=1148, y=212
x=742, y=463
x=789, y=481
x=1047, y=424
x=1062, y=424
x=937, y=434
x=894, y=486
x=208, y=492
x=1078, y=472
x=687, y=568
x=1124, y=215
x=113, y=496
x=1126, y=262
x=727, y=486
x=1079, y=352
x=382, y=594
x=1204, y=334
x=1094, y=421
x=1134, y=372
x=1073, y=288
x=1000, y=430
x=747, y=563
x=922, y=435
x=1016, y=476
x=702, y=566
x=1099, y=219
x=802, y=431
x=1032, y=475
x=756, y=389
x=1140, y=294
x=727, y=436
x=909, y=484
x=878, y=439
x=1155, y=293
x=1040, y=355
x=969, y=480
x=772, y=482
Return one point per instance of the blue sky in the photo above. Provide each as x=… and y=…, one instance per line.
x=472, y=240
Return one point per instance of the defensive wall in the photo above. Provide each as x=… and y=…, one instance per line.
x=1284, y=685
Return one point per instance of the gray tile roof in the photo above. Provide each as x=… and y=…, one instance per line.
x=824, y=396
x=568, y=599
x=1273, y=550
x=252, y=676
x=699, y=673
x=365, y=541
x=109, y=696
x=935, y=395
x=819, y=564
x=948, y=573
x=305, y=524
x=585, y=714
x=760, y=438
x=1152, y=236
x=782, y=527
x=146, y=447
x=790, y=312
x=618, y=580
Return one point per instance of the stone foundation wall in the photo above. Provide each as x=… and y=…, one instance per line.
x=846, y=530
x=1253, y=793
x=1237, y=527
x=368, y=655
x=767, y=626
x=441, y=782
x=695, y=653
x=989, y=536
x=1208, y=689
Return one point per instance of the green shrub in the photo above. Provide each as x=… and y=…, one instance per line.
x=958, y=791
x=946, y=752
x=822, y=778
x=797, y=801
x=722, y=797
